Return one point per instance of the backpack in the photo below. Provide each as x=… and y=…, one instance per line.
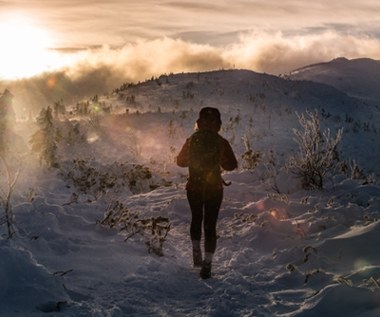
x=204, y=159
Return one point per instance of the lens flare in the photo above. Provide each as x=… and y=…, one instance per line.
x=360, y=264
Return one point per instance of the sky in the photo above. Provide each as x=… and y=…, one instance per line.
x=140, y=39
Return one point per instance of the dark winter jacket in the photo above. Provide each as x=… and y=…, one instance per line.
x=227, y=159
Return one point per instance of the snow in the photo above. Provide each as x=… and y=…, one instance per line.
x=356, y=77
x=282, y=250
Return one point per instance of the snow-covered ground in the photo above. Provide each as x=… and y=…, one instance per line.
x=282, y=250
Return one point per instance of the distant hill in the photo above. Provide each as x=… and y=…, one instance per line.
x=357, y=77
x=231, y=90
x=260, y=105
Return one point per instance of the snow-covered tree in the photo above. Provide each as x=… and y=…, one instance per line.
x=317, y=151
x=44, y=140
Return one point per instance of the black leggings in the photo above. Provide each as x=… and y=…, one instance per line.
x=205, y=204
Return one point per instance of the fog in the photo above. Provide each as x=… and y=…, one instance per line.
x=103, y=69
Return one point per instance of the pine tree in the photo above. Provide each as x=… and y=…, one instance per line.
x=44, y=140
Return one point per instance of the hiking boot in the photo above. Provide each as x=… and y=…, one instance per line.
x=206, y=270
x=197, y=258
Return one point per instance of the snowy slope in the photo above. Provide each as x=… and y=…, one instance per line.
x=265, y=105
x=282, y=251
x=356, y=77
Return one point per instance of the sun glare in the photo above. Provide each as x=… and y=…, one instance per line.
x=25, y=49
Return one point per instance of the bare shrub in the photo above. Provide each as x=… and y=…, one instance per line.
x=250, y=157
x=93, y=178
x=317, y=151
x=153, y=230
x=6, y=196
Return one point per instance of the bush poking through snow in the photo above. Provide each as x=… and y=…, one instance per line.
x=153, y=230
x=357, y=173
x=92, y=178
x=317, y=152
x=250, y=157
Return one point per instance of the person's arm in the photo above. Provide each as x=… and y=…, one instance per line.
x=182, y=158
x=228, y=160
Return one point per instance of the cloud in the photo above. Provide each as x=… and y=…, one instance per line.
x=145, y=59
x=101, y=70
x=271, y=52
x=276, y=53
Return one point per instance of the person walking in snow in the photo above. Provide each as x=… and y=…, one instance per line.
x=205, y=153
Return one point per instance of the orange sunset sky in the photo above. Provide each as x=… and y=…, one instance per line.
x=151, y=37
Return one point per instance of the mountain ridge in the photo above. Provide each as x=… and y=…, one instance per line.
x=358, y=77
x=265, y=105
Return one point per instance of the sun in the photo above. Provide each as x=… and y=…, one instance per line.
x=25, y=48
